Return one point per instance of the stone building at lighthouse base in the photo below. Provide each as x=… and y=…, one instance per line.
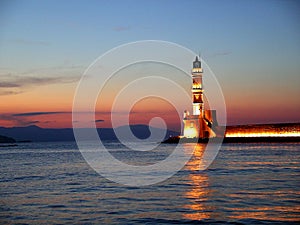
x=198, y=126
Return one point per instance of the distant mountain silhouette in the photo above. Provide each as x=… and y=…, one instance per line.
x=4, y=139
x=38, y=134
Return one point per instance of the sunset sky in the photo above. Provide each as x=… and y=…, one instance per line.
x=253, y=48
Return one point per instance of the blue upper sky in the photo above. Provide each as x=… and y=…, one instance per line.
x=250, y=45
x=78, y=31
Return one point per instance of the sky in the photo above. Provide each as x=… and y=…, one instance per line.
x=253, y=48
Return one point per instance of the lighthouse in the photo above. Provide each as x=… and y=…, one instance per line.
x=199, y=124
x=197, y=88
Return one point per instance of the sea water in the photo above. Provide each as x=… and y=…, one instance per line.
x=51, y=183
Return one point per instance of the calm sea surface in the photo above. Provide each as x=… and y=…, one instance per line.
x=50, y=183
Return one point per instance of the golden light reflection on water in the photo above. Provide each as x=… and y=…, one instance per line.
x=263, y=213
x=198, y=193
x=217, y=197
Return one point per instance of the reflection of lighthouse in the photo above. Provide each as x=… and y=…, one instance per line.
x=198, y=125
x=199, y=191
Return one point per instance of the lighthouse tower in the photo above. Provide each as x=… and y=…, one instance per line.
x=200, y=123
x=197, y=88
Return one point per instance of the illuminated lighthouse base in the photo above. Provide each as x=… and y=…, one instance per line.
x=199, y=126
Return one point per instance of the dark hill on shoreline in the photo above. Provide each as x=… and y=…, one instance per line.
x=38, y=134
x=4, y=139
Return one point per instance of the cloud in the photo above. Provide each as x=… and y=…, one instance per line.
x=48, y=121
x=26, y=119
x=37, y=113
x=220, y=53
x=6, y=92
x=15, y=84
x=12, y=83
x=19, y=121
x=121, y=28
x=8, y=85
x=33, y=122
x=19, y=81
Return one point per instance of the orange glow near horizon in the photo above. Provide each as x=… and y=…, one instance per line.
x=58, y=97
